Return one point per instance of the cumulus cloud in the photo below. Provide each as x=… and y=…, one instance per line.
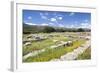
x=67, y=26
x=72, y=26
x=44, y=24
x=61, y=25
x=60, y=18
x=43, y=16
x=30, y=24
x=85, y=25
x=71, y=14
x=51, y=24
x=53, y=19
x=29, y=17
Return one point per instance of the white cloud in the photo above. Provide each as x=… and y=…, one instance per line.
x=44, y=24
x=89, y=26
x=61, y=25
x=31, y=24
x=67, y=26
x=71, y=14
x=72, y=26
x=51, y=23
x=29, y=17
x=43, y=16
x=60, y=18
x=85, y=25
x=53, y=19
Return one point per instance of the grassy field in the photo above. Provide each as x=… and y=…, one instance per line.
x=51, y=40
x=85, y=55
x=54, y=53
x=37, y=45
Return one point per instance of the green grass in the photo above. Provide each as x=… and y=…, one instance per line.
x=85, y=55
x=37, y=45
x=54, y=53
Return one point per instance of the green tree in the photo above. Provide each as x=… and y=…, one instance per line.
x=80, y=30
x=48, y=29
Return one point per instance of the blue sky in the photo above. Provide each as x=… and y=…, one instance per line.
x=57, y=18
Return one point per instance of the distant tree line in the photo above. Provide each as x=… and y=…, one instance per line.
x=47, y=29
x=51, y=29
